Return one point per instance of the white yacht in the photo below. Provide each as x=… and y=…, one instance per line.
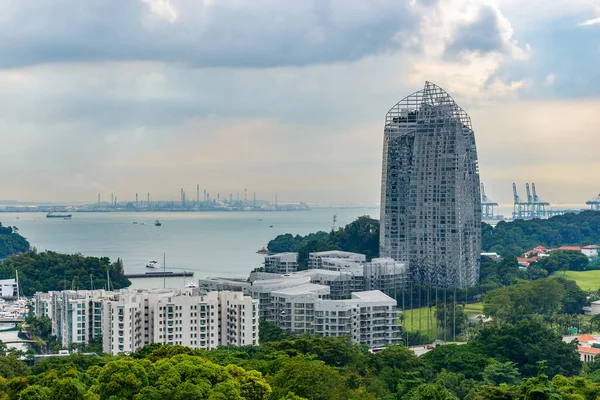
x=152, y=264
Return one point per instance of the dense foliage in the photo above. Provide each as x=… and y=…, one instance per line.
x=506, y=238
x=11, y=242
x=503, y=362
x=542, y=297
x=42, y=272
x=359, y=236
x=513, y=238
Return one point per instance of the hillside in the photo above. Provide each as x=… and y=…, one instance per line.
x=513, y=238
x=11, y=242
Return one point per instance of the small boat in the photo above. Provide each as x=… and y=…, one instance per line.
x=262, y=251
x=157, y=223
x=270, y=226
x=152, y=264
x=134, y=222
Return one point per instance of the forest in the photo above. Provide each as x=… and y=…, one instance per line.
x=11, y=242
x=42, y=272
x=522, y=361
x=514, y=238
x=507, y=238
x=359, y=236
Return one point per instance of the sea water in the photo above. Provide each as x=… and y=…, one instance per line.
x=206, y=243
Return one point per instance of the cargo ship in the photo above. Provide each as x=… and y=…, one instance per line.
x=58, y=215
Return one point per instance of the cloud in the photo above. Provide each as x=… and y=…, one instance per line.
x=224, y=33
x=481, y=35
x=590, y=22
x=282, y=96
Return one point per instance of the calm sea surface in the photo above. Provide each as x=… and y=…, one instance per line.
x=207, y=243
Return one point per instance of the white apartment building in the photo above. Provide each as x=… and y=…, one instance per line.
x=339, y=264
x=76, y=315
x=292, y=309
x=130, y=319
x=367, y=317
x=282, y=263
x=385, y=274
x=315, y=260
x=8, y=288
x=224, y=284
x=207, y=321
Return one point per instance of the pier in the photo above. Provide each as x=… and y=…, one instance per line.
x=160, y=275
x=11, y=320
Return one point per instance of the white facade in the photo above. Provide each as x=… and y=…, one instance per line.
x=590, y=251
x=315, y=260
x=130, y=319
x=282, y=263
x=367, y=317
x=8, y=287
x=385, y=274
x=338, y=264
x=224, y=284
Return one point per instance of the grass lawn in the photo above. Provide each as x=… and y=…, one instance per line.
x=587, y=280
x=413, y=318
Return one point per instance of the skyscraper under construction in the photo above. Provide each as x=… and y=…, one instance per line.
x=430, y=198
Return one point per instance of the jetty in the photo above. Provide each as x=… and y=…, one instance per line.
x=161, y=274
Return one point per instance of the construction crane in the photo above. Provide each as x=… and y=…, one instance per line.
x=534, y=207
x=529, y=206
x=487, y=206
x=594, y=203
x=519, y=208
x=539, y=206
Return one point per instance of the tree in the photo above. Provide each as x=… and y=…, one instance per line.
x=11, y=242
x=43, y=272
x=564, y=261
x=574, y=299
x=465, y=359
x=431, y=392
x=11, y=366
x=122, y=378
x=70, y=389
x=35, y=392
x=269, y=332
x=311, y=379
x=512, y=303
x=486, y=392
x=497, y=373
x=526, y=343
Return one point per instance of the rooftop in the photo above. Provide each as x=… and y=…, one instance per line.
x=591, y=350
x=371, y=295
x=308, y=288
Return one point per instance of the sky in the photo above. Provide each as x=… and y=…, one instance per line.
x=288, y=97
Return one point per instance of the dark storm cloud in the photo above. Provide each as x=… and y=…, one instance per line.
x=225, y=33
x=482, y=35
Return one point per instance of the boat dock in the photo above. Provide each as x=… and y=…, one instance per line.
x=160, y=274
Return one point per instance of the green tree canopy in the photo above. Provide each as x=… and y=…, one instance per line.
x=43, y=272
